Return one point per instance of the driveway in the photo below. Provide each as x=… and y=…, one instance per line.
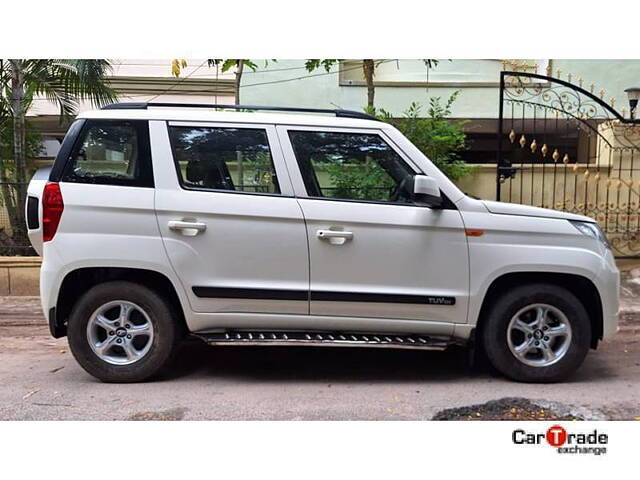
x=40, y=380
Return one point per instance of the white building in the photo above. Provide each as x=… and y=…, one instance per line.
x=140, y=81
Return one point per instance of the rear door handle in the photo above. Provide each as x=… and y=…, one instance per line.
x=188, y=229
x=335, y=237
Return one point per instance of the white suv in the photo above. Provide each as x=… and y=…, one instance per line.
x=299, y=229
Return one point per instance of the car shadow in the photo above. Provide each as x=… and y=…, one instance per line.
x=321, y=364
x=353, y=364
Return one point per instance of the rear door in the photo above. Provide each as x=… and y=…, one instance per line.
x=373, y=253
x=231, y=227
x=107, y=187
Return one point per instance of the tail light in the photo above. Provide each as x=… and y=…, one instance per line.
x=52, y=207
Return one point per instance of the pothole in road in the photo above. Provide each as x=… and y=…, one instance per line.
x=517, y=409
x=174, y=414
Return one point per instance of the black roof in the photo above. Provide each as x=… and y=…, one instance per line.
x=145, y=105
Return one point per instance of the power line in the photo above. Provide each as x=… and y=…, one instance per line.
x=247, y=72
x=164, y=91
x=272, y=82
x=263, y=83
x=178, y=82
x=308, y=76
x=275, y=70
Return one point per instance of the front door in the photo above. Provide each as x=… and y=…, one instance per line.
x=231, y=227
x=372, y=252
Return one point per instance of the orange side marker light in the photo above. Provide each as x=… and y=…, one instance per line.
x=473, y=233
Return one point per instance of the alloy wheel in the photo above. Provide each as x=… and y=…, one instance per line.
x=539, y=335
x=120, y=332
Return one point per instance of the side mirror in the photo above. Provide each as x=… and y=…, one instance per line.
x=426, y=192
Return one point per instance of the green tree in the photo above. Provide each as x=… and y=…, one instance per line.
x=438, y=137
x=239, y=65
x=63, y=82
x=8, y=189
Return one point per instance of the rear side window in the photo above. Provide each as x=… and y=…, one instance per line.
x=111, y=153
x=235, y=159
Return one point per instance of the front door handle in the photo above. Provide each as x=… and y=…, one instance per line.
x=335, y=237
x=188, y=229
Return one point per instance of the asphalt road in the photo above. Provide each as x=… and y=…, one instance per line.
x=40, y=380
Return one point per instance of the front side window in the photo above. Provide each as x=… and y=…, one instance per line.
x=112, y=153
x=237, y=159
x=351, y=166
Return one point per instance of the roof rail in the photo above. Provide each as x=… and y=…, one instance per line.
x=145, y=105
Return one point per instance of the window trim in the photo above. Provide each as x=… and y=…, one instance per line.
x=379, y=133
x=146, y=179
x=67, y=146
x=176, y=165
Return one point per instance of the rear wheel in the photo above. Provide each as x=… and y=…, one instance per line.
x=122, y=332
x=537, y=333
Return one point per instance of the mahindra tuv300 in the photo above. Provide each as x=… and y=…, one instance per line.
x=157, y=222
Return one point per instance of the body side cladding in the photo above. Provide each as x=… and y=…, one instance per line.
x=580, y=286
x=250, y=293
x=77, y=282
x=57, y=328
x=319, y=296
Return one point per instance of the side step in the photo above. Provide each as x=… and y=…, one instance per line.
x=323, y=339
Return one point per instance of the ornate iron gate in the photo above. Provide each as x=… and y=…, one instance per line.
x=562, y=146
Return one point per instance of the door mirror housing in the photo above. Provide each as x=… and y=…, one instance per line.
x=426, y=192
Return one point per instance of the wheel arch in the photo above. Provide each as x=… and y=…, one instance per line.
x=582, y=287
x=79, y=281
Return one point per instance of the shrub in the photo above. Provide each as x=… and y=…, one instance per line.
x=437, y=137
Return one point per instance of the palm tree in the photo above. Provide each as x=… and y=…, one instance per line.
x=63, y=82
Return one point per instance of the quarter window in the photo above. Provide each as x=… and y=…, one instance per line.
x=112, y=153
x=213, y=158
x=351, y=166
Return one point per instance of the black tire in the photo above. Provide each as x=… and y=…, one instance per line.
x=496, y=322
x=161, y=316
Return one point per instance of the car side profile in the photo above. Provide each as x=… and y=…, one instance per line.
x=158, y=221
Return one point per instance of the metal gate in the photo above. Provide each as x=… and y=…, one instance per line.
x=562, y=146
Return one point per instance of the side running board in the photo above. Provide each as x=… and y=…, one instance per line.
x=323, y=339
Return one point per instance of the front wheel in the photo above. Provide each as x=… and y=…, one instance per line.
x=537, y=333
x=122, y=332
